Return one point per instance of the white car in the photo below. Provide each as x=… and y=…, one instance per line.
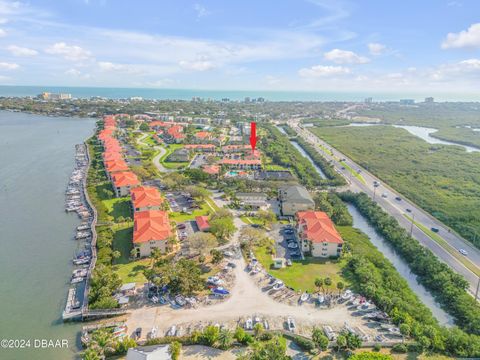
x=463, y=252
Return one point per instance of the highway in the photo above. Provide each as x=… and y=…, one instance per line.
x=398, y=209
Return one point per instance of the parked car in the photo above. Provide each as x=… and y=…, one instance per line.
x=181, y=226
x=292, y=245
x=288, y=231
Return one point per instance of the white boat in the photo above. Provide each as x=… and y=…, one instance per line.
x=172, y=331
x=304, y=297
x=320, y=299
x=278, y=285
x=266, y=326
x=291, y=324
x=347, y=295
x=248, y=324
x=180, y=300
x=153, y=332
x=257, y=320
x=76, y=280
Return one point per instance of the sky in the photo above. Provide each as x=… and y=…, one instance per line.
x=295, y=45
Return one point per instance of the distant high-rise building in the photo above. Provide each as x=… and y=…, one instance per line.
x=260, y=99
x=407, y=101
x=225, y=99
x=247, y=99
x=368, y=100
x=429, y=99
x=54, y=96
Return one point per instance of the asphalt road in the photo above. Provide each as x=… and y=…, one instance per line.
x=397, y=209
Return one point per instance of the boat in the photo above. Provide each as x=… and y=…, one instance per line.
x=320, y=299
x=304, y=297
x=220, y=291
x=266, y=326
x=347, y=295
x=172, y=331
x=153, y=332
x=76, y=280
x=278, y=285
x=180, y=300
x=291, y=324
x=257, y=320
x=248, y=324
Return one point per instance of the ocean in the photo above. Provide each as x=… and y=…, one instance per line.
x=234, y=95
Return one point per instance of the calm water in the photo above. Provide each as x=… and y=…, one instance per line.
x=187, y=94
x=304, y=153
x=402, y=267
x=424, y=133
x=37, y=157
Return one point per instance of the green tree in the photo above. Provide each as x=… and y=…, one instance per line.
x=222, y=228
x=225, y=339
x=370, y=356
x=328, y=281
x=201, y=243
x=319, y=283
x=210, y=335
x=320, y=340
x=175, y=349
x=273, y=349
x=144, y=127
x=217, y=256
x=258, y=330
x=340, y=286
x=266, y=216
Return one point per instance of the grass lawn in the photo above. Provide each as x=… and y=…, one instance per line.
x=174, y=165
x=251, y=220
x=467, y=263
x=180, y=217
x=211, y=204
x=118, y=207
x=122, y=241
x=273, y=167
x=302, y=274
x=132, y=271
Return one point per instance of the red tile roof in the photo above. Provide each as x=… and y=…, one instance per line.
x=176, y=132
x=203, y=134
x=157, y=123
x=202, y=223
x=211, y=169
x=151, y=225
x=111, y=155
x=125, y=178
x=231, y=148
x=200, y=146
x=241, y=162
x=116, y=165
x=317, y=227
x=145, y=196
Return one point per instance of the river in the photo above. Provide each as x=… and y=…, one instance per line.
x=37, y=158
x=424, y=133
x=304, y=153
x=402, y=267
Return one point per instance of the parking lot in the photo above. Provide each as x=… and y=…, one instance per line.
x=286, y=242
x=198, y=161
x=181, y=202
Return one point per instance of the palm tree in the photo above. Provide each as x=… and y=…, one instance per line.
x=319, y=283
x=225, y=339
x=103, y=342
x=340, y=287
x=328, y=281
x=91, y=354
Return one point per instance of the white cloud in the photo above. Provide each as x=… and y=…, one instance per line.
x=376, y=48
x=198, y=65
x=469, y=38
x=3, y=21
x=73, y=72
x=69, y=52
x=21, y=51
x=3, y=33
x=323, y=71
x=344, y=57
x=200, y=10
x=109, y=66
x=8, y=66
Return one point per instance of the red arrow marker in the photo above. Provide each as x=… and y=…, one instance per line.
x=253, y=135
